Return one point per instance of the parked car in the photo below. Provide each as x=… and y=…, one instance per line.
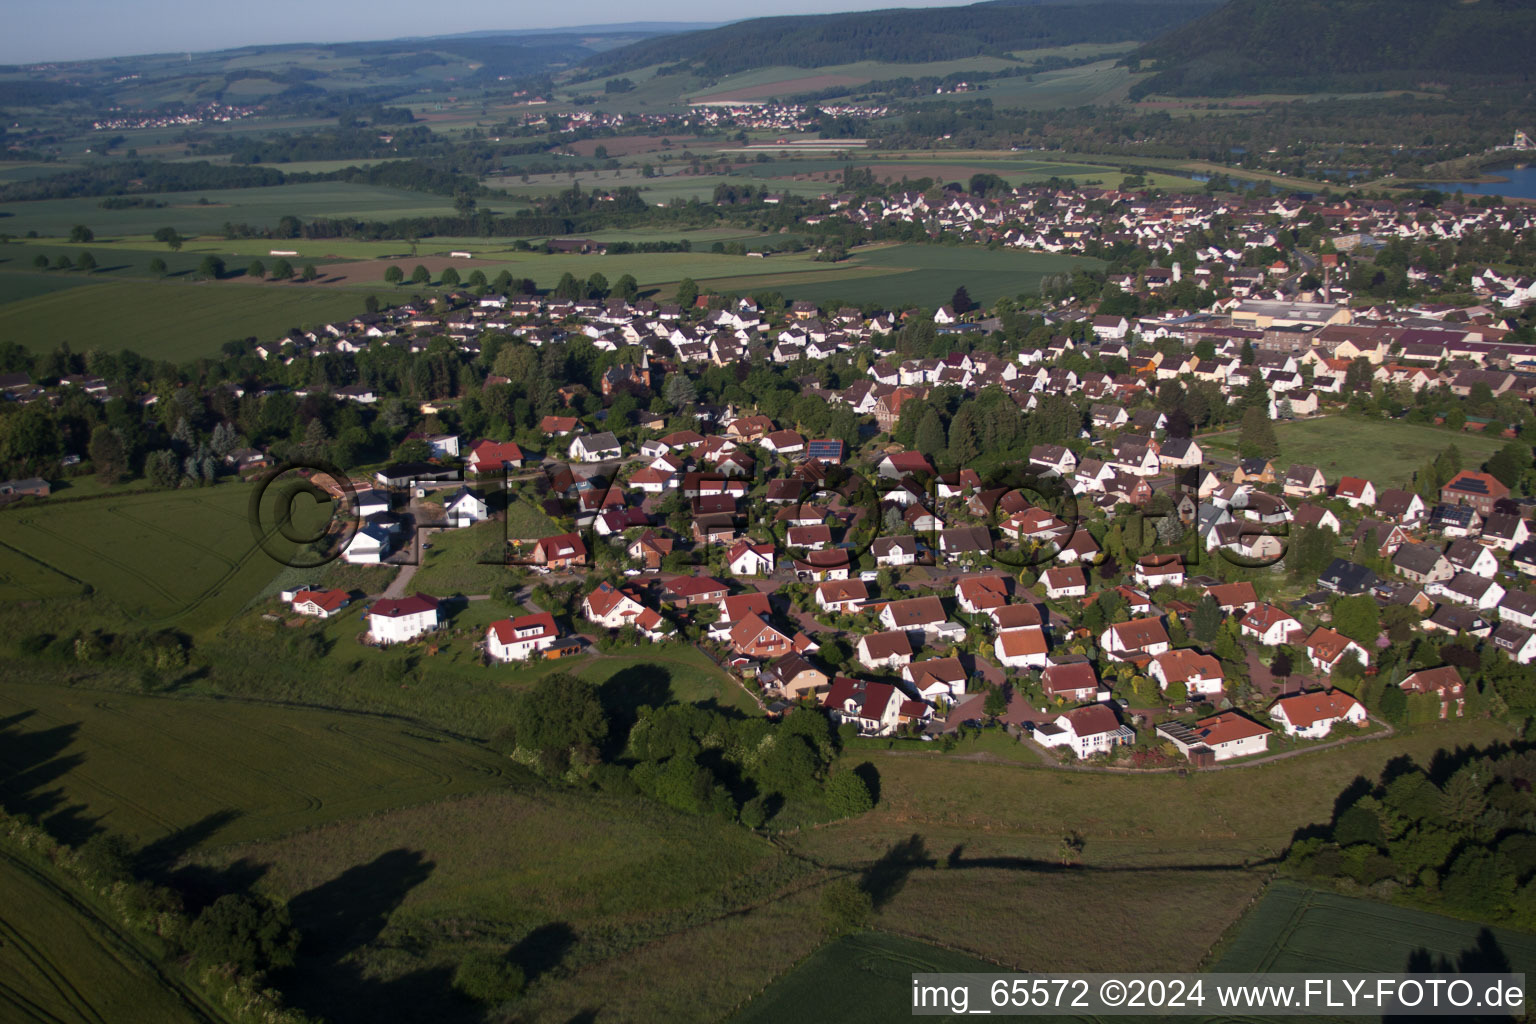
x=869, y=576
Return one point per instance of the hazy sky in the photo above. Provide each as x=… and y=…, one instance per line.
x=77, y=29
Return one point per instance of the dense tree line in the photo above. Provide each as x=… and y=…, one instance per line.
x=1459, y=835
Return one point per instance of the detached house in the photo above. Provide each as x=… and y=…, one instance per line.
x=1356, y=491
x=884, y=650
x=595, y=447
x=1071, y=679
x=518, y=639
x=320, y=604
x=1145, y=636
x=398, y=620
x=1200, y=673
x=1226, y=736
x=560, y=552
x=1022, y=647
x=1304, y=481
x=1422, y=564
x=872, y=707
x=1085, y=731
x=936, y=679
x=1444, y=682
x=1269, y=625
x=1313, y=715
x=746, y=559
x=610, y=607
x=1328, y=648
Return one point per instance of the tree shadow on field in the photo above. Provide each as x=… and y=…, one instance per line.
x=626, y=692
x=883, y=879
x=543, y=949
x=32, y=762
x=1484, y=956
x=338, y=920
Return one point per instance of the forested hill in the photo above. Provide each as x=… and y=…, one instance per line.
x=1303, y=46
x=909, y=36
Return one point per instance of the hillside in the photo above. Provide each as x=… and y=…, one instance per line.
x=909, y=36
x=1299, y=46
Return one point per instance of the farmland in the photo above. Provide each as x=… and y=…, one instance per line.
x=1385, y=451
x=217, y=772
x=859, y=979
x=1296, y=929
x=61, y=962
x=169, y=320
x=185, y=558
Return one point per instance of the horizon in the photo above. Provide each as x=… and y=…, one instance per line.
x=83, y=30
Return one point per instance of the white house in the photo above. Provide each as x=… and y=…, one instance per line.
x=517, y=639
x=884, y=650
x=320, y=604
x=1269, y=625
x=1069, y=581
x=936, y=679
x=610, y=607
x=595, y=447
x=1022, y=647
x=1313, y=715
x=872, y=707
x=1226, y=736
x=894, y=550
x=746, y=559
x=1085, y=731
x=466, y=508
x=397, y=620
x=1200, y=673
x=370, y=545
x=1139, y=636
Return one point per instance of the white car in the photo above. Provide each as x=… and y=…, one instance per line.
x=868, y=576
x=631, y=572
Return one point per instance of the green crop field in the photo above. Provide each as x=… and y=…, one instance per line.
x=578, y=879
x=1301, y=930
x=184, y=211
x=184, y=558
x=175, y=320
x=216, y=772
x=1387, y=452
x=61, y=963
x=864, y=978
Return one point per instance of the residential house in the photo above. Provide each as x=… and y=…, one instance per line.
x=1068, y=581
x=755, y=637
x=466, y=508
x=1505, y=531
x=977, y=595
x=873, y=708
x=1269, y=625
x=495, y=456
x=1145, y=636
x=1072, y=678
x=915, y=614
x=894, y=551
x=595, y=447
x=401, y=619
x=1200, y=673
x=794, y=677
x=611, y=607
x=1023, y=647
x=518, y=639
x=320, y=604
x=1469, y=556
x=1233, y=598
x=936, y=678
x=884, y=650
x=1227, y=735
x=1444, y=682
x=1480, y=490
x=841, y=595
x=1085, y=731
x=1328, y=648
x=1313, y=715
x=1402, y=507
x=1304, y=481
x=1422, y=563
x=1356, y=491
x=747, y=559
x=561, y=551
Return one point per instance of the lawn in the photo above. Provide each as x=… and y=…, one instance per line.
x=1387, y=452
x=865, y=978
x=175, y=320
x=1294, y=929
x=61, y=963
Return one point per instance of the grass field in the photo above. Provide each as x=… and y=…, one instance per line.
x=1301, y=930
x=1385, y=451
x=972, y=849
x=61, y=963
x=864, y=978
x=172, y=320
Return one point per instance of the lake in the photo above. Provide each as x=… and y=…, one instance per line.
x=1521, y=183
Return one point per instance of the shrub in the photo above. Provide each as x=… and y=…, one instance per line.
x=488, y=978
